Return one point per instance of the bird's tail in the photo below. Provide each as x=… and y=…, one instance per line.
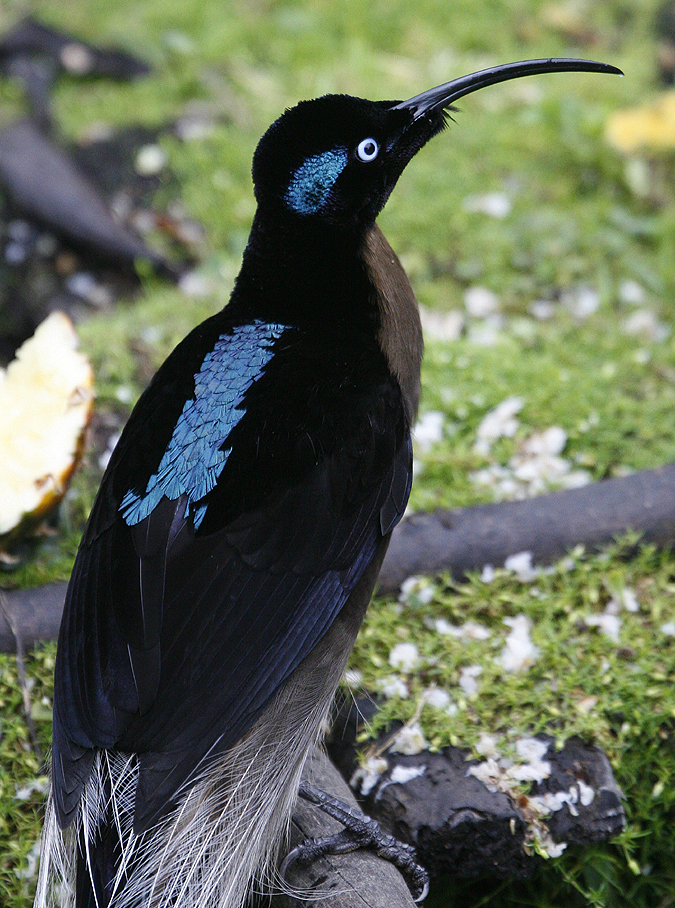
x=96, y=868
x=86, y=865
x=221, y=841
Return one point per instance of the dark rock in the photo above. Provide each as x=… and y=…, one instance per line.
x=580, y=764
x=467, y=827
x=457, y=826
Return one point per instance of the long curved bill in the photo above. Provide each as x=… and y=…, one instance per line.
x=443, y=96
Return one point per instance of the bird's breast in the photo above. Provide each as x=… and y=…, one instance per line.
x=400, y=329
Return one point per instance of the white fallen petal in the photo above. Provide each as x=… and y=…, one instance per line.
x=500, y=422
x=414, y=588
x=409, y=740
x=480, y=302
x=519, y=652
x=581, y=302
x=487, y=575
x=487, y=746
x=404, y=656
x=586, y=793
x=443, y=326
x=428, y=430
x=366, y=777
x=531, y=748
x=610, y=625
x=467, y=678
x=549, y=441
x=393, y=686
x=436, y=697
x=402, y=774
x=494, y=204
x=488, y=772
x=631, y=293
x=521, y=565
x=643, y=322
x=630, y=600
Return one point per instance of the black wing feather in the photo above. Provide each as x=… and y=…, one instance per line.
x=175, y=638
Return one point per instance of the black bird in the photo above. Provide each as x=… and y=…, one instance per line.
x=240, y=526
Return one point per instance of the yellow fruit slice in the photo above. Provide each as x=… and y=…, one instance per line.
x=46, y=397
x=650, y=127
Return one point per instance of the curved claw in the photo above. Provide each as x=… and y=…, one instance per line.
x=290, y=858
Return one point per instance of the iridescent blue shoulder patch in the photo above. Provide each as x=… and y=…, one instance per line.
x=313, y=180
x=195, y=456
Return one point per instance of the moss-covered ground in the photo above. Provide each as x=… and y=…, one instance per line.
x=586, y=230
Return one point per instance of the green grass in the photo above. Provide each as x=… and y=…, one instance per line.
x=581, y=216
x=618, y=694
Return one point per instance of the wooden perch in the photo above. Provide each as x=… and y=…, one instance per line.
x=356, y=880
x=458, y=541
x=547, y=526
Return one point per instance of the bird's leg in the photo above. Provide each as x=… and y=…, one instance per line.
x=360, y=831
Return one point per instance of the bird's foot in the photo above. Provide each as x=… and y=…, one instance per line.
x=360, y=831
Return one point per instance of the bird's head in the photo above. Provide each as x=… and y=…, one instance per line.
x=335, y=160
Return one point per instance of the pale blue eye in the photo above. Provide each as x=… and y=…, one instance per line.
x=367, y=150
x=313, y=180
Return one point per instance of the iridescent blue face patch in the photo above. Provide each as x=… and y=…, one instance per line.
x=194, y=457
x=313, y=180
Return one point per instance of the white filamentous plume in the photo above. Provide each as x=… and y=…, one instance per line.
x=223, y=838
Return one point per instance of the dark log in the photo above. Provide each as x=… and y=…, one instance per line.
x=32, y=615
x=33, y=38
x=464, y=540
x=359, y=879
x=547, y=526
x=46, y=186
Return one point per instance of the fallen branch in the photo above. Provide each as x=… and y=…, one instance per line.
x=547, y=526
x=23, y=680
x=460, y=541
x=30, y=615
x=67, y=202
